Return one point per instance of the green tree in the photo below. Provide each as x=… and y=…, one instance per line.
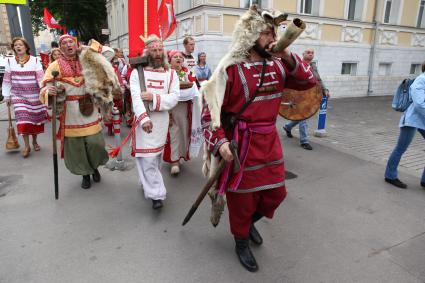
x=88, y=17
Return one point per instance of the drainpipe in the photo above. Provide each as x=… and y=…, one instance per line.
x=373, y=49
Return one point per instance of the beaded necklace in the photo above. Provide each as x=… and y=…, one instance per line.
x=22, y=61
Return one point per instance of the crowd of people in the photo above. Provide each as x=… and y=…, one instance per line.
x=174, y=105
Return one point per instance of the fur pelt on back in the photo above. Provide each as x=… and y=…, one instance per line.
x=100, y=78
x=247, y=31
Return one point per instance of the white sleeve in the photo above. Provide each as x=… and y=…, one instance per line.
x=136, y=98
x=7, y=84
x=165, y=102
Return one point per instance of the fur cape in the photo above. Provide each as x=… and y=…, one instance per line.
x=245, y=34
x=100, y=78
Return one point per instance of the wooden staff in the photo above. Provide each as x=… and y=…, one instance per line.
x=55, y=149
x=212, y=180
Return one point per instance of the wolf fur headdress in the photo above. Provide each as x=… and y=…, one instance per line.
x=245, y=35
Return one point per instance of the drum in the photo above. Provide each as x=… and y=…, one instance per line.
x=298, y=105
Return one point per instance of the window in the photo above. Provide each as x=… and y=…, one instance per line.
x=309, y=7
x=415, y=69
x=349, y=69
x=384, y=69
x=355, y=9
x=245, y=3
x=265, y=4
x=306, y=6
x=387, y=11
x=392, y=11
x=420, y=23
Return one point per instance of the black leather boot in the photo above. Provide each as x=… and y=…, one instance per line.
x=85, y=184
x=96, y=176
x=254, y=235
x=245, y=255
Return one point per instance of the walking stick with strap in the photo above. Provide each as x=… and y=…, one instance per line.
x=55, y=149
x=211, y=181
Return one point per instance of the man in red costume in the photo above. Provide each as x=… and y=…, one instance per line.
x=258, y=188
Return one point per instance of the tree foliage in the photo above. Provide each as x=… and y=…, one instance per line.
x=88, y=17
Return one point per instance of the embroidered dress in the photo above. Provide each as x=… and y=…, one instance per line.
x=21, y=82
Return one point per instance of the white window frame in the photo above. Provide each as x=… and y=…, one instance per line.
x=364, y=10
x=399, y=9
x=351, y=69
x=268, y=6
x=417, y=68
x=422, y=25
x=320, y=8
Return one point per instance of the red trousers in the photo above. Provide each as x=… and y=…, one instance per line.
x=242, y=207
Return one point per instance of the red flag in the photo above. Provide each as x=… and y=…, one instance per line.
x=51, y=22
x=167, y=19
x=142, y=20
x=45, y=59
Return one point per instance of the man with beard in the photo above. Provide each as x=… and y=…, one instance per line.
x=151, y=125
x=83, y=146
x=242, y=102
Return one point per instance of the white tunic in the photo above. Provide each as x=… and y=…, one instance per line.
x=165, y=88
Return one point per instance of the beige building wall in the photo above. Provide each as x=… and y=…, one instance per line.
x=410, y=12
x=404, y=38
x=368, y=36
x=370, y=10
x=229, y=22
x=331, y=33
x=287, y=6
x=5, y=37
x=214, y=23
x=334, y=9
x=231, y=3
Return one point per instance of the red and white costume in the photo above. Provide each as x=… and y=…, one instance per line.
x=259, y=186
x=22, y=84
x=185, y=136
x=189, y=61
x=147, y=148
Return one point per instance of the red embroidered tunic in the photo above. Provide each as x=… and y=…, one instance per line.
x=262, y=163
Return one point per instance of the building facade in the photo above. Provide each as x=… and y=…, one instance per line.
x=363, y=47
x=118, y=23
x=5, y=38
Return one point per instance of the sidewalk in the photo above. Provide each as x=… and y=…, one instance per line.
x=367, y=127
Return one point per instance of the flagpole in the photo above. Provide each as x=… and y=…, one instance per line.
x=145, y=18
